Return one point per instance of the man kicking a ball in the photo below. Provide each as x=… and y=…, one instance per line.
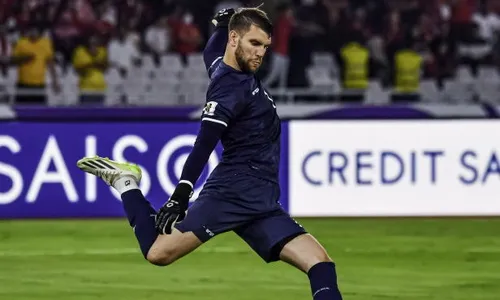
x=242, y=193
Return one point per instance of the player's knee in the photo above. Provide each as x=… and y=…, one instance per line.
x=161, y=258
x=316, y=258
x=323, y=257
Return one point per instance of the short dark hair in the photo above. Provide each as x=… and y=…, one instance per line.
x=244, y=18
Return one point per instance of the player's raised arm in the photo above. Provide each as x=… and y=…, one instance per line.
x=223, y=104
x=216, y=46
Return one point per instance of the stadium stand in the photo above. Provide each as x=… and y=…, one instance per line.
x=154, y=49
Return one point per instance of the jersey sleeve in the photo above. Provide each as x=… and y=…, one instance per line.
x=215, y=48
x=208, y=137
x=224, y=102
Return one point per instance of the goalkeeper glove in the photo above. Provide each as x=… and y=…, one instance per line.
x=222, y=18
x=174, y=210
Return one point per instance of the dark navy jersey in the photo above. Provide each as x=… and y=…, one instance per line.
x=251, y=140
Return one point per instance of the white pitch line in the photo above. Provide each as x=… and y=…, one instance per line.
x=75, y=285
x=122, y=251
x=111, y=251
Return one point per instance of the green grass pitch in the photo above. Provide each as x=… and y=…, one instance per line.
x=445, y=259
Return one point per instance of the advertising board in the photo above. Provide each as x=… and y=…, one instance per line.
x=394, y=168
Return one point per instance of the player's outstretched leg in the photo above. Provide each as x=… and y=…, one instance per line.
x=305, y=253
x=124, y=177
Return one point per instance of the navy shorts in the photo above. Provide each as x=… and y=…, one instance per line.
x=248, y=206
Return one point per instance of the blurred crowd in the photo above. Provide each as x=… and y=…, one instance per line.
x=398, y=42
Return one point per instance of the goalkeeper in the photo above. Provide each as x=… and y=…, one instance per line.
x=242, y=193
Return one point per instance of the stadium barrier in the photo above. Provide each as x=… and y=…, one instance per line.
x=350, y=167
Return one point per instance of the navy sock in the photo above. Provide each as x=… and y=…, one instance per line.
x=323, y=278
x=141, y=216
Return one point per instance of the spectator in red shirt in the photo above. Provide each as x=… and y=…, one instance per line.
x=280, y=60
x=74, y=21
x=462, y=28
x=187, y=36
x=462, y=10
x=5, y=10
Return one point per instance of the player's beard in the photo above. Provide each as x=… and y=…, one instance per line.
x=242, y=62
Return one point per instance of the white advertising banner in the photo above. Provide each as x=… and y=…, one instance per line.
x=394, y=168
